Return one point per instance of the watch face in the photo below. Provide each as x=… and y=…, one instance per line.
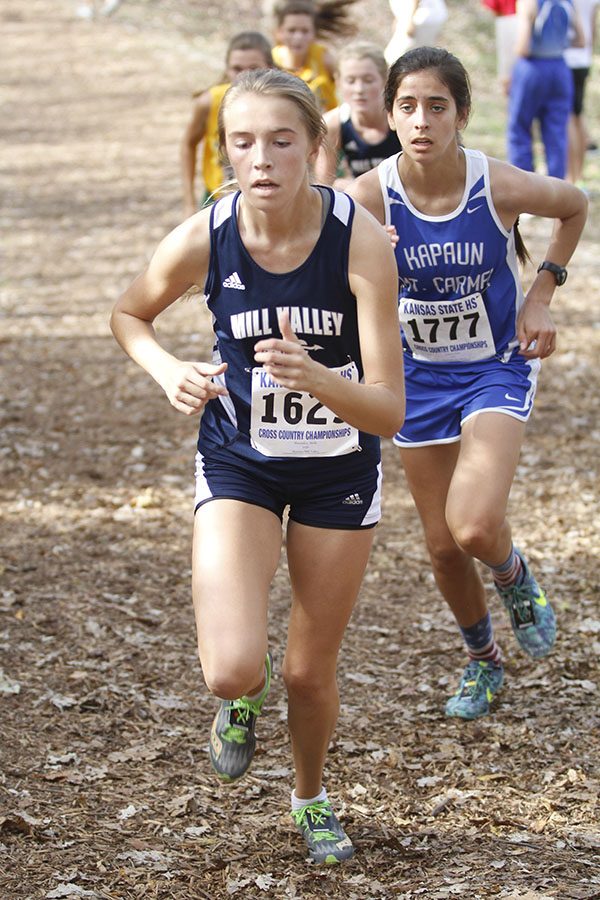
x=559, y=272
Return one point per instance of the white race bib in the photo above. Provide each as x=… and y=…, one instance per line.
x=294, y=423
x=448, y=331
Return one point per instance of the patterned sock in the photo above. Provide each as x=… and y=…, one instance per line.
x=510, y=572
x=299, y=802
x=480, y=642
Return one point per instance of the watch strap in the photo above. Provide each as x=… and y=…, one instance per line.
x=559, y=272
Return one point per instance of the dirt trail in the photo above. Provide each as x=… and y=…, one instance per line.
x=105, y=788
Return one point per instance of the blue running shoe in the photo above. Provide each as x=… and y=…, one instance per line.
x=232, y=737
x=325, y=838
x=481, y=680
x=531, y=615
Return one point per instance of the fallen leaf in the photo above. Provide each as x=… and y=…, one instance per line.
x=8, y=685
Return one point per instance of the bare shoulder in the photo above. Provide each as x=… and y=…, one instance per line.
x=332, y=119
x=187, y=247
x=506, y=182
x=193, y=231
x=365, y=219
x=179, y=262
x=203, y=101
x=516, y=191
x=370, y=246
x=201, y=107
x=366, y=189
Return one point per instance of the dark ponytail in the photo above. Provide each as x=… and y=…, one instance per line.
x=520, y=248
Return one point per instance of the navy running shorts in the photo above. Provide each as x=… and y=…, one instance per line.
x=439, y=401
x=340, y=493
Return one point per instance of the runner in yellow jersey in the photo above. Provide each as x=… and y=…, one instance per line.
x=298, y=25
x=246, y=50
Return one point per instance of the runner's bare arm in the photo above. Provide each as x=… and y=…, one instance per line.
x=179, y=263
x=526, y=13
x=327, y=159
x=515, y=191
x=192, y=137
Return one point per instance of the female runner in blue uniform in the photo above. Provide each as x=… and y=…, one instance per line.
x=306, y=371
x=473, y=344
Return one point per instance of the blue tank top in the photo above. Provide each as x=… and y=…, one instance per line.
x=363, y=157
x=259, y=418
x=459, y=287
x=550, y=34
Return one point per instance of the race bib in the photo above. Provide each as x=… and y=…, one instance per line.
x=450, y=331
x=294, y=423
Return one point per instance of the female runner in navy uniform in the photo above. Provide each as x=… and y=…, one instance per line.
x=306, y=370
x=358, y=133
x=473, y=345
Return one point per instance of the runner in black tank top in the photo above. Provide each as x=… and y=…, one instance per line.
x=306, y=372
x=359, y=135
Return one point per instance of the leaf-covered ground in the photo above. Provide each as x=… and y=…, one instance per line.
x=105, y=786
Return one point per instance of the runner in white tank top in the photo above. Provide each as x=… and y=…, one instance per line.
x=473, y=344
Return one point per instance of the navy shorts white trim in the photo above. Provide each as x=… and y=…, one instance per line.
x=438, y=403
x=346, y=497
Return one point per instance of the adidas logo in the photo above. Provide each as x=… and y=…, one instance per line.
x=353, y=500
x=234, y=281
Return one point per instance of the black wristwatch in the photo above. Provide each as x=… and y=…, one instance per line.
x=559, y=272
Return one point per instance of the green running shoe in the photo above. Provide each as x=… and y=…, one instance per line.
x=480, y=681
x=531, y=615
x=232, y=737
x=325, y=838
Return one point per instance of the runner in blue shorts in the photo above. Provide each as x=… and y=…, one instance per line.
x=473, y=344
x=306, y=372
x=444, y=399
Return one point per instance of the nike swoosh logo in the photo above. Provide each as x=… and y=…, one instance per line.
x=472, y=209
x=514, y=399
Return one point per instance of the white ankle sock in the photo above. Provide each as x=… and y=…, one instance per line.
x=299, y=802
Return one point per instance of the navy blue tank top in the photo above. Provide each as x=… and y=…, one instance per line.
x=259, y=418
x=363, y=157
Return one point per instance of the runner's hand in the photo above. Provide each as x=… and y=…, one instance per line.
x=391, y=232
x=535, y=330
x=285, y=358
x=189, y=385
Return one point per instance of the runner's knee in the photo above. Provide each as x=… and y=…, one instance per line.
x=446, y=557
x=231, y=674
x=308, y=684
x=477, y=533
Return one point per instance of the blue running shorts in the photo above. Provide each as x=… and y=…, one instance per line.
x=339, y=492
x=439, y=401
